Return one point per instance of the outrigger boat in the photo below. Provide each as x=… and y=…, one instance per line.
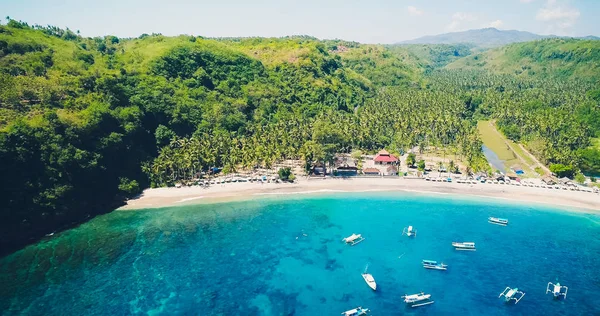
x=409, y=231
x=464, y=246
x=419, y=299
x=512, y=294
x=369, y=279
x=356, y=312
x=498, y=221
x=557, y=289
x=430, y=264
x=353, y=239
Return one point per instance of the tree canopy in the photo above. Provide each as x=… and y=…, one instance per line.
x=86, y=123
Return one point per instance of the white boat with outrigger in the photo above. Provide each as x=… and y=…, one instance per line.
x=409, y=231
x=557, y=290
x=419, y=299
x=430, y=264
x=512, y=294
x=498, y=221
x=356, y=311
x=353, y=239
x=369, y=279
x=468, y=246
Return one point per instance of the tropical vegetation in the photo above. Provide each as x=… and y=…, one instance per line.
x=86, y=123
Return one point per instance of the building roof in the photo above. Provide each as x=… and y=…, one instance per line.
x=384, y=156
x=516, y=167
x=344, y=162
x=370, y=170
x=347, y=168
x=548, y=179
x=564, y=180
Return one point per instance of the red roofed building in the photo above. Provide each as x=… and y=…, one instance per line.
x=385, y=158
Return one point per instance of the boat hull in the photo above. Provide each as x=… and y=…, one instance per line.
x=421, y=298
x=370, y=281
x=469, y=246
x=497, y=221
x=435, y=268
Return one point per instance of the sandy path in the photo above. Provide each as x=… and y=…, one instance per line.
x=162, y=197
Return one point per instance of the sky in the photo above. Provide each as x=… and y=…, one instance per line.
x=365, y=21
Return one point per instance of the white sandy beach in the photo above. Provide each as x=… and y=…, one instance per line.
x=162, y=197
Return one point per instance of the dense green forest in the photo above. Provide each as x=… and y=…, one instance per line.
x=86, y=123
x=560, y=59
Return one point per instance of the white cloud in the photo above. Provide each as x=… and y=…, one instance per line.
x=527, y=1
x=463, y=16
x=558, y=17
x=414, y=11
x=557, y=13
x=496, y=24
x=459, y=19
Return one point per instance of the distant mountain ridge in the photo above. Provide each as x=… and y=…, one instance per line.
x=487, y=37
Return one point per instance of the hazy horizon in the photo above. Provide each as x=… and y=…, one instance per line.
x=382, y=21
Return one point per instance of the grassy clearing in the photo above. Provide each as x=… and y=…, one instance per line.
x=540, y=171
x=521, y=152
x=496, y=142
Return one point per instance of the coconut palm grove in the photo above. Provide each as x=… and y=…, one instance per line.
x=86, y=123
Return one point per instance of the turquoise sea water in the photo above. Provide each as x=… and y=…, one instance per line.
x=284, y=256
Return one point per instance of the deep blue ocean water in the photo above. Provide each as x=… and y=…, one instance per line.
x=284, y=256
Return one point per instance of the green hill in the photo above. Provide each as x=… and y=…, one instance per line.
x=435, y=55
x=555, y=58
x=71, y=105
x=86, y=123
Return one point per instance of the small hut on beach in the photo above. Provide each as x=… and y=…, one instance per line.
x=371, y=171
x=548, y=180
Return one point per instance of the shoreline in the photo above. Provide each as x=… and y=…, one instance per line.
x=575, y=201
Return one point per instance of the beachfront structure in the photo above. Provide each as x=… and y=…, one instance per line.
x=347, y=171
x=371, y=172
x=345, y=166
x=512, y=294
x=512, y=176
x=567, y=182
x=385, y=158
x=517, y=169
x=391, y=171
x=549, y=180
x=557, y=290
x=319, y=169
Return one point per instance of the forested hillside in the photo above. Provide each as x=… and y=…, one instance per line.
x=82, y=119
x=86, y=123
x=559, y=59
x=436, y=55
